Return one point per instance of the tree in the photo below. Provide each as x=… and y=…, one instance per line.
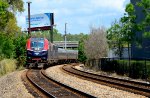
x=12, y=28
x=8, y=26
x=144, y=25
x=81, y=54
x=3, y=17
x=96, y=44
x=123, y=32
x=6, y=46
x=114, y=36
x=8, y=9
x=15, y=5
x=128, y=25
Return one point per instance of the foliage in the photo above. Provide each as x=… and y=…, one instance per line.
x=13, y=47
x=15, y=5
x=128, y=23
x=12, y=28
x=136, y=69
x=3, y=12
x=76, y=37
x=6, y=47
x=128, y=26
x=20, y=50
x=11, y=44
x=96, y=44
x=81, y=54
x=7, y=66
x=8, y=8
x=57, y=36
x=145, y=23
x=114, y=36
x=123, y=32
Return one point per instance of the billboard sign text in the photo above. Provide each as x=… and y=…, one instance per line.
x=39, y=20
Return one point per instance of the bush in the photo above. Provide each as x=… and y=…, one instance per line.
x=108, y=65
x=136, y=70
x=20, y=50
x=122, y=67
x=6, y=46
x=7, y=65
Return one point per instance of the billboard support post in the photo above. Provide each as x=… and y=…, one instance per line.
x=52, y=24
x=52, y=34
x=29, y=30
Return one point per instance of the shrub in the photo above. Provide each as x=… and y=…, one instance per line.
x=20, y=50
x=137, y=70
x=7, y=65
x=6, y=46
x=108, y=65
x=122, y=67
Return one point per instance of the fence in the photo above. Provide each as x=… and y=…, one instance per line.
x=134, y=68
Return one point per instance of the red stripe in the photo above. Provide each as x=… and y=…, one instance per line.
x=46, y=45
x=28, y=44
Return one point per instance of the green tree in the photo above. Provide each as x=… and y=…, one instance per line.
x=12, y=28
x=6, y=46
x=145, y=23
x=114, y=36
x=15, y=5
x=57, y=36
x=3, y=17
x=8, y=9
x=81, y=50
x=20, y=49
x=122, y=33
x=8, y=26
x=128, y=25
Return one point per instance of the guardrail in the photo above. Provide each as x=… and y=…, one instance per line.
x=69, y=44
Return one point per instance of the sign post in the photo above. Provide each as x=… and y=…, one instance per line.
x=29, y=30
x=52, y=24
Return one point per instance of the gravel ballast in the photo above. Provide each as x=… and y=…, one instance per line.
x=100, y=91
x=11, y=86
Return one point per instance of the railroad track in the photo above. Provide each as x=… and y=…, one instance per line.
x=51, y=88
x=128, y=85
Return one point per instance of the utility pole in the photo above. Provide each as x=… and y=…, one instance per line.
x=29, y=28
x=51, y=33
x=65, y=35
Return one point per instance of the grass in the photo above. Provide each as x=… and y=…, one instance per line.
x=7, y=66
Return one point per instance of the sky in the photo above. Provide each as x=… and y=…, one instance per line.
x=78, y=14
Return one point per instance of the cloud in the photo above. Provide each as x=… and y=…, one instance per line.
x=21, y=20
x=109, y=4
x=79, y=14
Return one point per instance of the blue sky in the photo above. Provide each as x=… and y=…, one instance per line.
x=78, y=14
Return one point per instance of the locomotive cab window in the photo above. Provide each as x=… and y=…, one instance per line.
x=37, y=45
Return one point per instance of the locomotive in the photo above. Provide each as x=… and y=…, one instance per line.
x=42, y=52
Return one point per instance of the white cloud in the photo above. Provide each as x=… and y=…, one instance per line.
x=78, y=13
x=21, y=20
x=108, y=4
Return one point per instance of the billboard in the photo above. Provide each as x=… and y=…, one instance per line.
x=39, y=20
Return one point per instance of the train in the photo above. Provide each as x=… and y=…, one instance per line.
x=40, y=51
